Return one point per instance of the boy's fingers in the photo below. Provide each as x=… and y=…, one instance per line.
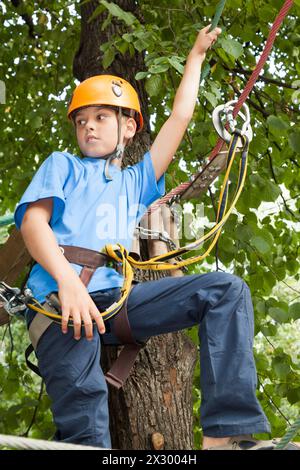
x=88, y=325
x=64, y=320
x=76, y=325
x=99, y=320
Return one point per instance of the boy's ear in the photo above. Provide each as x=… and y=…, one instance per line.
x=130, y=128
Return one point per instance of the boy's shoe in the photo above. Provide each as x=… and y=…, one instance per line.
x=248, y=443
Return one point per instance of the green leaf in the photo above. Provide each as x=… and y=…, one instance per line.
x=269, y=281
x=280, y=366
x=141, y=75
x=96, y=13
x=36, y=122
x=116, y=11
x=261, y=306
x=269, y=329
x=210, y=97
x=260, y=244
x=271, y=191
x=232, y=47
x=108, y=57
x=128, y=37
x=277, y=124
x=160, y=68
x=278, y=314
x=176, y=64
x=153, y=85
x=294, y=141
x=294, y=311
x=244, y=232
x=293, y=395
x=122, y=46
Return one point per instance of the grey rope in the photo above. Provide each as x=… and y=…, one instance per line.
x=15, y=442
x=292, y=431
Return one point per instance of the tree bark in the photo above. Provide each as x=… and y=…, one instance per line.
x=154, y=408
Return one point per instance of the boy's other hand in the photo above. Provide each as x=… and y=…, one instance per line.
x=205, y=40
x=77, y=305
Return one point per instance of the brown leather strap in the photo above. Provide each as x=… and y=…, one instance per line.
x=84, y=256
x=122, y=328
x=89, y=259
x=121, y=368
x=86, y=275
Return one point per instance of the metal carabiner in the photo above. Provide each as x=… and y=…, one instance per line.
x=227, y=109
x=11, y=298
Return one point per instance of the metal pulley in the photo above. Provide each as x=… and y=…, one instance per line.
x=225, y=111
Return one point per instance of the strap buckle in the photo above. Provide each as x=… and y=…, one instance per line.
x=227, y=111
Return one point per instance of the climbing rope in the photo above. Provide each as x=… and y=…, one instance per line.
x=16, y=442
x=292, y=431
x=179, y=190
x=6, y=220
x=24, y=443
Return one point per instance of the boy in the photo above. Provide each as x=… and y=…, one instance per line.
x=65, y=204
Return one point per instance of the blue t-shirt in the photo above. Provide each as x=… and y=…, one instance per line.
x=88, y=210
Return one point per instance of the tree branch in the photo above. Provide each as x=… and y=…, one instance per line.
x=261, y=77
x=253, y=104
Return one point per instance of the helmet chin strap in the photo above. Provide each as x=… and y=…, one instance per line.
x=119, y=150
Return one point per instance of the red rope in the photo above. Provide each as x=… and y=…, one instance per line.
x=244, y=95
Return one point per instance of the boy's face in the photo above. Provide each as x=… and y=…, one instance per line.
x=97, y=130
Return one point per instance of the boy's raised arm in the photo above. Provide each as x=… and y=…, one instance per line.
x=172, y=132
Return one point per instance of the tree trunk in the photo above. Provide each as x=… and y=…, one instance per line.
x=154, y=408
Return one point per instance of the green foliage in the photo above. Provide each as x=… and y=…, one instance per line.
x=260, y=242
x=24, y=405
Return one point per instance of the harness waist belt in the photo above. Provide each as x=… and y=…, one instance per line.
x=84, y=256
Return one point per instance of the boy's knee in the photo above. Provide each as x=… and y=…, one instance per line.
x=220, y=278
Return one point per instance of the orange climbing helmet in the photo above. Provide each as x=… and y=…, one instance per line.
x=107, y=90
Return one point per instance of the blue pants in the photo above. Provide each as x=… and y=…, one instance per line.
x=220, y=303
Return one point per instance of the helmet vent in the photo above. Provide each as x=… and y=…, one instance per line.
x=116, y=88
